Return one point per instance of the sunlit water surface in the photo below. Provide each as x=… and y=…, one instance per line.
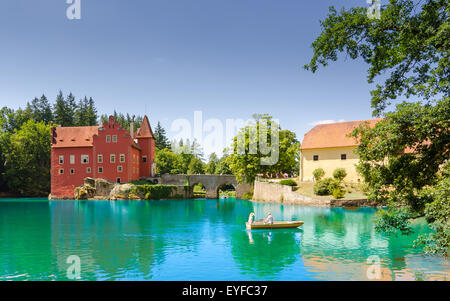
x=202, y=240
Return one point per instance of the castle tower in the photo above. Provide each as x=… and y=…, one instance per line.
x=146, y=141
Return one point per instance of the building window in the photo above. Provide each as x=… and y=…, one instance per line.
x=100, y=158
x=119, y=168
x=72, y=159
x=122, y=158
x=88, y=170
x=108, y=138
x=144, y=159
x=72, y=171
x=316, y=157
x=114, y=138
x=84, y=159
x=61, y=159
x=134, y=158
x=100, y=169
x=61, y=171
x=112, y=158
x=343, y=156
x=118, y=180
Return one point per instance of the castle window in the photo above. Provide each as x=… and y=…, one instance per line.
x=114, y=138
x=88, y=170
x=119, y=168
x=61, y=171
x=144, y=159
x=316, y=158
x=72, y=159
x=61, y=159
x=122, y=158
x=118, y=180
x=84, y=159
x=343, y=157
x=112, y=158
x=100, y=169
x=100, y=158
x=108, y=138
x=72, y=171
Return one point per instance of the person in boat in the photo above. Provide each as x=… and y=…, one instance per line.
x=251, y=218
x=268, y=219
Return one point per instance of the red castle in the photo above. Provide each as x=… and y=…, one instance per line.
x=107, y=151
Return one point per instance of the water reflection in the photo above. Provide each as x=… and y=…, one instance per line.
x=200, y=240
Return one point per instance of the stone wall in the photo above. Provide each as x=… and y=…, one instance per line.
x=277, y=193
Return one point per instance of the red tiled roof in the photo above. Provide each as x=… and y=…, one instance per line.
x=333, y=134
x=80, y=136
x=145, y=131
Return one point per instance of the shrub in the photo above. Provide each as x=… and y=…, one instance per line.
x=288, y=182
x=322, y=187
x=318, y=174
x=327, y=186
x=339, y=174
x=338, y=193
x=247, y=196
x=154, y=192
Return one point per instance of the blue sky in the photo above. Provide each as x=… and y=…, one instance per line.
x=169, y=58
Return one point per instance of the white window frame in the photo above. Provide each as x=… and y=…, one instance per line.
x=88, y=170
x=86, y=157
x=111, y=156
x=108, y=138
x=61, y=171
x=114, y=138
x=100, y=158
x=61, y=159
x=72, y=159
x=122, y=158
x=72, y=171
x=100, y=169
x=119, y=168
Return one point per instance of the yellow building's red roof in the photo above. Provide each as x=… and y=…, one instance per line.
x=333, y=134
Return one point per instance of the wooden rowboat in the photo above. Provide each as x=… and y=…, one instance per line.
x=275, y=225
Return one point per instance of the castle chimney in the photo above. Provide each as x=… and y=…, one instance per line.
x=132, y=129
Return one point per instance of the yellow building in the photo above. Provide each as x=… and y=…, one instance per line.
x=328, y=146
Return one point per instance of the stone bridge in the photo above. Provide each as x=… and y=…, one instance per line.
x=212, y=183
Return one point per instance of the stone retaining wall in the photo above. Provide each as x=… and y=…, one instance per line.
x=277, y=193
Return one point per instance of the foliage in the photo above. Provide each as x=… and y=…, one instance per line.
x=26, y=155
x=154, y=192
x=123, y=120
x=211, y=166
x=322, y=187
x=407, y=44
x=196, y=166
x=247, y=196
x=223, y=166
x=318, y=173
x=339, y=174
x=168, y=162
x=393, y=220
x=246, y=165
x=161, y=140
x=338, y=192
x=288, y=182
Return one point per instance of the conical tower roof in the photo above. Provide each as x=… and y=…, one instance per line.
x=145, y=131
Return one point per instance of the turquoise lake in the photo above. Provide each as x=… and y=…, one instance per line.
x=202, y=240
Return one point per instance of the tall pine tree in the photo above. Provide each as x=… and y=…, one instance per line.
x=161, y=140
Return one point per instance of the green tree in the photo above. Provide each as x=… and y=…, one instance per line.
x=246, y=165
x=161, y=140
x=401, y=158
x=196, y=166
x=40, y=109
x=168, y=162
x=27, y=160
x=63, y=112
x=211, y=166
x=91, y=113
